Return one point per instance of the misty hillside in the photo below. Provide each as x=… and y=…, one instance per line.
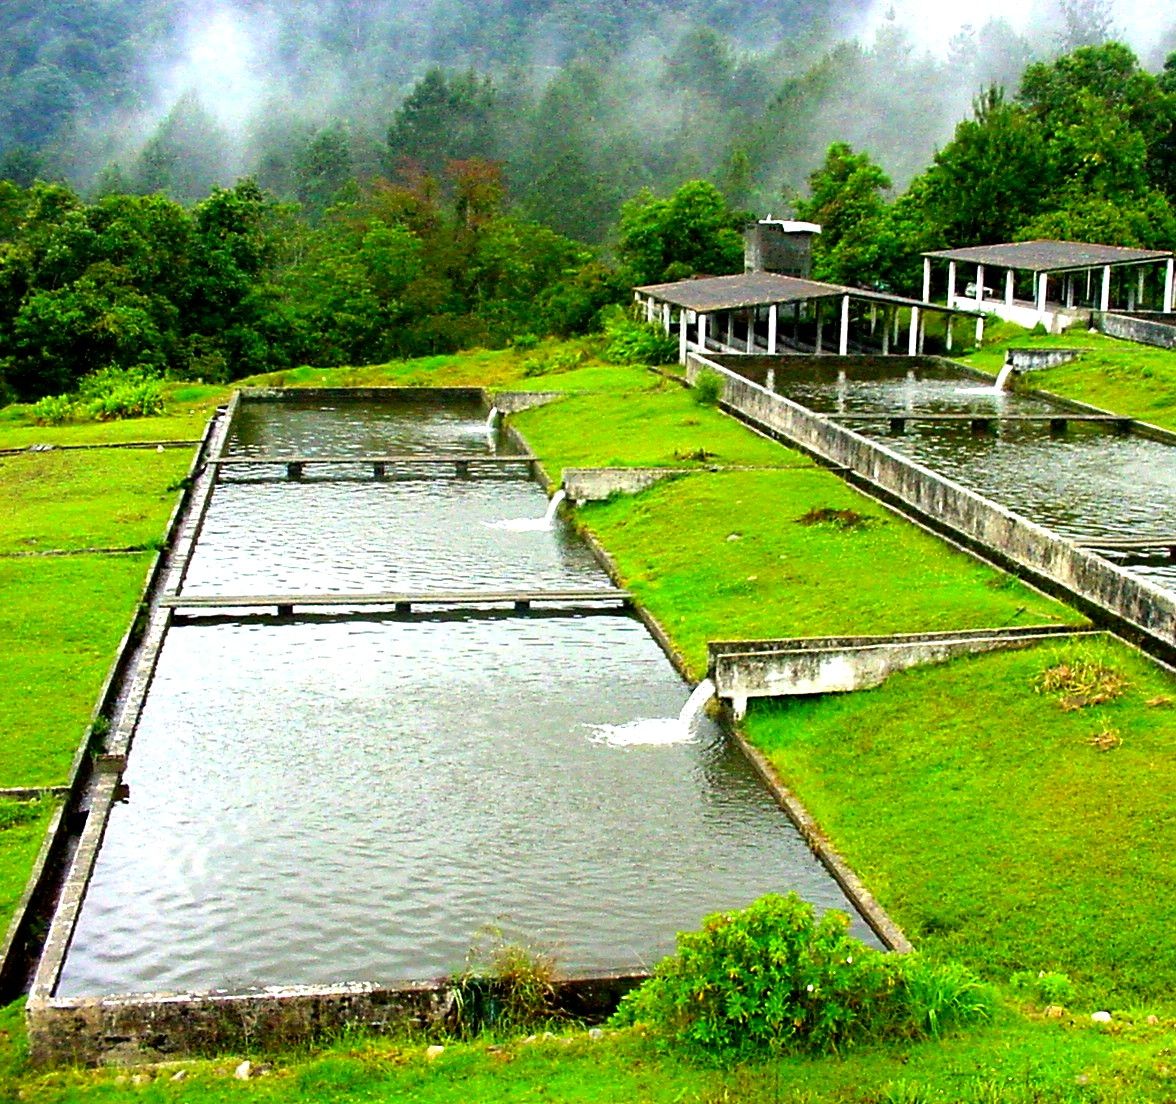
x=583, y=102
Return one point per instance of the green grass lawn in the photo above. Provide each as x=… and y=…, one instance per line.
x=723, y=557
x=1014, y=1061
x=60, y=623
x=1119, y=376
x=649, y=421
x=22, y=828
x=982, y=815
x=93, y=498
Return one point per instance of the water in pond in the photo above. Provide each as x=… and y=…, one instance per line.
x=1089, y=483
x=327, y=801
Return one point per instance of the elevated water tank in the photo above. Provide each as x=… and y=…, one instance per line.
x=781, y=246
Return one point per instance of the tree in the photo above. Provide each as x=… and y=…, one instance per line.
x=322, y=168
x=846, y=200
x=445, y=118
x=992, y=177
x=693, y=231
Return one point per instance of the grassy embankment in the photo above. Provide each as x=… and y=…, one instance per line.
x=722, y=554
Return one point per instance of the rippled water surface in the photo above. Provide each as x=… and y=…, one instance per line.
x=331, y=801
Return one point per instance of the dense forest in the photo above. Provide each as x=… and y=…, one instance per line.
x=451, y=205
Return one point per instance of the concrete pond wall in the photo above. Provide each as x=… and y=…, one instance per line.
x=1145, y=328
x=746, y=669
x=1144, y=609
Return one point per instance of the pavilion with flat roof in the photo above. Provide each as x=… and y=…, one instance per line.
x=764, y=312
x=1058, y=282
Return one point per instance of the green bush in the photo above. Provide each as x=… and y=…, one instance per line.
x=772, y=977
x=53, y=410
x=114, y=393
x=629, y=341
x=708, y=388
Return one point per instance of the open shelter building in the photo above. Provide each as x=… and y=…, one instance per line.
x=1066, y=281
x=766, y=312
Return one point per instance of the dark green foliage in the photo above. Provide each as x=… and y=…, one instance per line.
x=632, y=342
x=773, y=978
x=694, y=231
x=708, y=388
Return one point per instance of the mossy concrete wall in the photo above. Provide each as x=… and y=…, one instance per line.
x=597, y=484
x=1146, y=329
x=999, y=533
x=830, y=665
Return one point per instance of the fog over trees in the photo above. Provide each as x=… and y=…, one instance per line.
x=208, y=190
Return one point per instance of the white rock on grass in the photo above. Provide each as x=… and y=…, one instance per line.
x=1101, y=1017
x=244, y=1071
x=434, y=1052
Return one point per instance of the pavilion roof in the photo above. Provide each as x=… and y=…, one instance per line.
x=1050, y=256
x=759, y=289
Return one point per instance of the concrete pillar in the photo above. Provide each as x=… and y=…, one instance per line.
x=702, y=333
x=1069, y=291
x=979, y=285
x=1042, y=291
x=730, y=342
x=1105, y=300
x=666, y=317
x=1089, y=275
x=843, y=346
x=681, y=335
x=951, y=283
x=913, y=337
x=773, y=326
x=751, y=329
x=649, y=310
x=894, y=339
x=796, y=323
x=817, y=307
x=926, y=279
x=886, y=331
x=979, y=330
x=1131, y=297
x=873, y=318
x=1010, y=280
x=947, y=337
x=1169, y=285
x=922, y=331
x=1139, y=287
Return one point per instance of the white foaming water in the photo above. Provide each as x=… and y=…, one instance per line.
x=1002, y=380
x=532, y=525
x=492, y=417
x=653, y=731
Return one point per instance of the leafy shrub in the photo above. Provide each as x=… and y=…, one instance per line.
x=629, y=341
x=525, y=342
x=772, y=977
x=708, y=388
x=1044, y=987
x=53, y=410
x=115, y=393
x=563, y=360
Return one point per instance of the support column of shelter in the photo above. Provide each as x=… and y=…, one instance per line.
x=817, y=308
x=1010, y=281
x=682, y=335
x=886, y=331
x=927, y=280
x=1169, y=284
x=843, y=344
x=702, y=333
x=666, y=317
x=1105, y=300
x=773, y=325
x=751, y=329
x=951, y=283
x=979, y=285
x=913, y=338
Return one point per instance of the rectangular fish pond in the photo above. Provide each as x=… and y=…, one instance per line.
x=1090, y=483
x=351, y=795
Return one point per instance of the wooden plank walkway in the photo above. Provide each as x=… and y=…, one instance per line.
x=1129, y=544
x=296, y=465
x=400, y=601
x=983, y=423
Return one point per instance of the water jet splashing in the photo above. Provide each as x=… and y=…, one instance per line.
x=492, y=419
x=1002, y=380
x=702, y=694
x=658, y=730
x=532, y=525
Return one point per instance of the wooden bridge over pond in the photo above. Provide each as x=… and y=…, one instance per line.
x=402, y=602
x=464, y=465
